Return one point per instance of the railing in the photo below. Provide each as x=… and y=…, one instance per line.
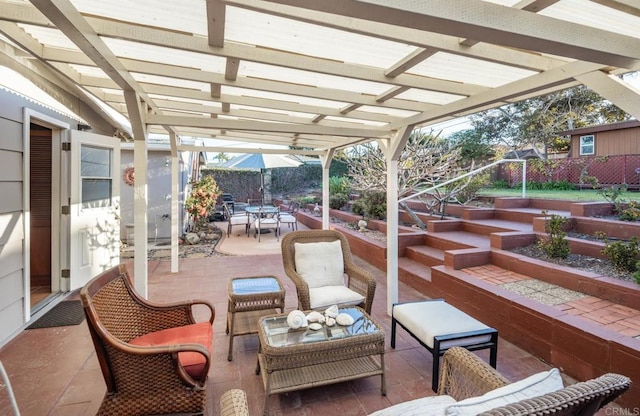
x=473, y=172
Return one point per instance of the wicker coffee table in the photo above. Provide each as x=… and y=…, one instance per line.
x=298, y=359
x=249, y=299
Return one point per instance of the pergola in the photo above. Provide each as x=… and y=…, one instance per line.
x=314, y=75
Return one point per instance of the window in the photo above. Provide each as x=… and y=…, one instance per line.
x=95, y=172
x=587, y=145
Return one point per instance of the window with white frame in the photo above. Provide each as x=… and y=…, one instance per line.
x=587, y=145
x=95, y=171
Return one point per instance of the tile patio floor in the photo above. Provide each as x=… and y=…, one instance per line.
x=54, y=371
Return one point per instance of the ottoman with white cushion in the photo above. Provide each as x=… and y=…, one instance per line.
x=439, y=326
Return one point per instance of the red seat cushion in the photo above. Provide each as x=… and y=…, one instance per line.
x=200, y=333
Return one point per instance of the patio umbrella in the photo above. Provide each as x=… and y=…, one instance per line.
x=260, y=161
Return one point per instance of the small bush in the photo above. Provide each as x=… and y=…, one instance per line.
x=554, y=243
x=375, y=204
x=339, y=185
x=636, y=275
x=500, y=184
x=631, y=212
x=623, y=255
x=337, y=201
x=358, y=207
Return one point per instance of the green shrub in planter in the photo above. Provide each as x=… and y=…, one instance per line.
x=337, y=201
x=358, y=207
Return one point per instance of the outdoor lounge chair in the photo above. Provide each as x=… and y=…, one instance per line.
x=321, y=266
x=469, y=386
x=154, y=357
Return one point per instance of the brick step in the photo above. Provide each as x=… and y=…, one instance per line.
x=414, y=273
x=525, y=215
x=425, y=255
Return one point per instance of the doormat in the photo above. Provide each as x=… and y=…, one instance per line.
x=68, y=312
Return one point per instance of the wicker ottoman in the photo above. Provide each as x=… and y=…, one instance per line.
x=249, y=299
x=439, y=326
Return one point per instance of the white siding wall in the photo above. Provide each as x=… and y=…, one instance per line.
x=12, y=279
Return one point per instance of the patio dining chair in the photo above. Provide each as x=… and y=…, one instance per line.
x=241, y=218
x=266, y=220
x=291, y=217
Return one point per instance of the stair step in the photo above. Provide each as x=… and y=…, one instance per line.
x=452, y=240
x=425, y=255
x=525, y=215
x=414, y=274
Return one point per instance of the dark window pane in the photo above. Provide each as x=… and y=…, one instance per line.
x=96, y=193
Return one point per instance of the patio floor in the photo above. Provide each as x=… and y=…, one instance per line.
x=54, y=371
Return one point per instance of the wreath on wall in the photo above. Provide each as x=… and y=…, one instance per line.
x=129, y=176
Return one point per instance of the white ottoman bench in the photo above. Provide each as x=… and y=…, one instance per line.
x=439, y=326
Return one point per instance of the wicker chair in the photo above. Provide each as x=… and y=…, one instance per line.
x=358, y=279
x=465, y=375
x=154, y=358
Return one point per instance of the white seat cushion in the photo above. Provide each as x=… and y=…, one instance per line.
x=320, y=264
x=429, y=319
x=238, y=220
x=532, y=386
x=424, y=406
x=323, y=297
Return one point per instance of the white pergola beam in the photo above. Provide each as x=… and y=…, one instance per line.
x=615, y=90
x=492, y=23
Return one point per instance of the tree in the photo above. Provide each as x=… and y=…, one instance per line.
x=426, y=160
x=474, y=148
x=222, y=157
x=535, y=122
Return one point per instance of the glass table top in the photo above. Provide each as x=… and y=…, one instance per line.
x=264, y=209
x=254, y=285
x=279, y=334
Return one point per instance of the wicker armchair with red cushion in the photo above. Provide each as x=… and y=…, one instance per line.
x=154, y=357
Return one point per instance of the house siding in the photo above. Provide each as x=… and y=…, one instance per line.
x=610, y=143
x=12, y=211
x=158, y=188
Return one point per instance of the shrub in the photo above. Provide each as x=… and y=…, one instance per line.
x=202, y=198
x=339, y=185
x=623, y=255
x=375, y=203
x=358, y=207
x=636, y=275
x=631, y=212
x=500, y=184
x=337, y=201
x=554, y=243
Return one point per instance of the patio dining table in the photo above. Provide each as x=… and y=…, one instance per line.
x=266, y=209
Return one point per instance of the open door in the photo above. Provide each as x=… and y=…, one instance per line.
x=94, y=218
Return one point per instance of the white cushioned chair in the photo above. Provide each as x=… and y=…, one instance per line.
x=320, y=264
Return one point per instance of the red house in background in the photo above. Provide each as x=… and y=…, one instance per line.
x=605, y=140
x=610, y=153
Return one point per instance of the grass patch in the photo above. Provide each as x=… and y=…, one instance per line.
x=589, y=195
